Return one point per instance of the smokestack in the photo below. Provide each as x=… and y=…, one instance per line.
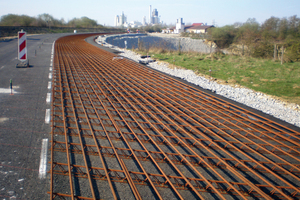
x=150, y=15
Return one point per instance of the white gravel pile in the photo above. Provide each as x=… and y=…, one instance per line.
x=286, y=112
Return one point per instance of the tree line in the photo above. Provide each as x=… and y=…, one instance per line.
x=46, y=20
x=261, y=40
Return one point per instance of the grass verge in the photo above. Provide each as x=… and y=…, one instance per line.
x=263, y=75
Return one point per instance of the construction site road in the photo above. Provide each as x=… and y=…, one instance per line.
x=120, y=130
x=22, y=117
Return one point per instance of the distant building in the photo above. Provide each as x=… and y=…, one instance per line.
x=144, y=21
x=135, y=24
x=194, y=28
x=197, y=24
x=179, y=26
x=120, y=20
x=198, y=28
x=153, y=16
x=150, y=18
x=167, y=30
x=132, y=24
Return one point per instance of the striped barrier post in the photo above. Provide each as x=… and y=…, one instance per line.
x=22, y=50
x=22, y=46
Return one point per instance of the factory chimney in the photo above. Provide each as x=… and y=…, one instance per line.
x=150, y=21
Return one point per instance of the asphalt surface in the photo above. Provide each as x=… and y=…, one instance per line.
x=22, y=118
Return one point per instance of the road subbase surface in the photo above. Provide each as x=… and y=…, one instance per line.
x=120, y=130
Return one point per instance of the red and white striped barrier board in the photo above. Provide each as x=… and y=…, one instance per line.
x=22, y=46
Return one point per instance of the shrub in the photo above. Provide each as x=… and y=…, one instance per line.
x=293, y=49
x=223, y=36
x=263, y=50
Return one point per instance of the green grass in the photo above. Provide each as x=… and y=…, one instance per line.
x=262, y=75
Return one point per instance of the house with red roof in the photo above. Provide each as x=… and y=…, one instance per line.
x=197, y=28
x=194, y=28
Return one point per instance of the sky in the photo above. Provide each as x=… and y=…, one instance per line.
x=222, y=12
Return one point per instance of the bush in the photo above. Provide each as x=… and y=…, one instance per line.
x=263, y=50
x=293, y=49
x=155, y=28
x=184, y=34
x=223, y=36
x=46, y=20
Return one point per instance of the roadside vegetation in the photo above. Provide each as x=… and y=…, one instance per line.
x=10, y=24
x=152, y=29
x=46, y=20
x=259, y=74
x=266, y=40
x=263, y=57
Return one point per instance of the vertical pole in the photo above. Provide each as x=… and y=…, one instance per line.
x=179, y=47
x=10, y=85
x=282, y=55
x=243, y=50
x=275, y=53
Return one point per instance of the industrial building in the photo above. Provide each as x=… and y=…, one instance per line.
x=153, y=16
x=179, y=26
x=120, y=20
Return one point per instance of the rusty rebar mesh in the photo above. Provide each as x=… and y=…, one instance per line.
x=121, y=130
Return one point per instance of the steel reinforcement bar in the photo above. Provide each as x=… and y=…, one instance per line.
x=121, y=130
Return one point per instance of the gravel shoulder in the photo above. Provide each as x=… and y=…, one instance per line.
x=257, y=100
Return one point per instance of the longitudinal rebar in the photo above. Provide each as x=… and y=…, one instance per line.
x=121, y=130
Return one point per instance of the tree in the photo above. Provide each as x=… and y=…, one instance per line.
x=16, y=20
x=26, y=20
x=248, y=32
x=283, y=29
x=223, y=36
x=155, y=28
x=294, y=26
x=87, y=22
x=83, y=22
x=270, y=28
x=44, y=19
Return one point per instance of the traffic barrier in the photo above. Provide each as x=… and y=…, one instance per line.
x=22, y=48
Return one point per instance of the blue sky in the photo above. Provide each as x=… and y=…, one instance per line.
x=223, y=12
